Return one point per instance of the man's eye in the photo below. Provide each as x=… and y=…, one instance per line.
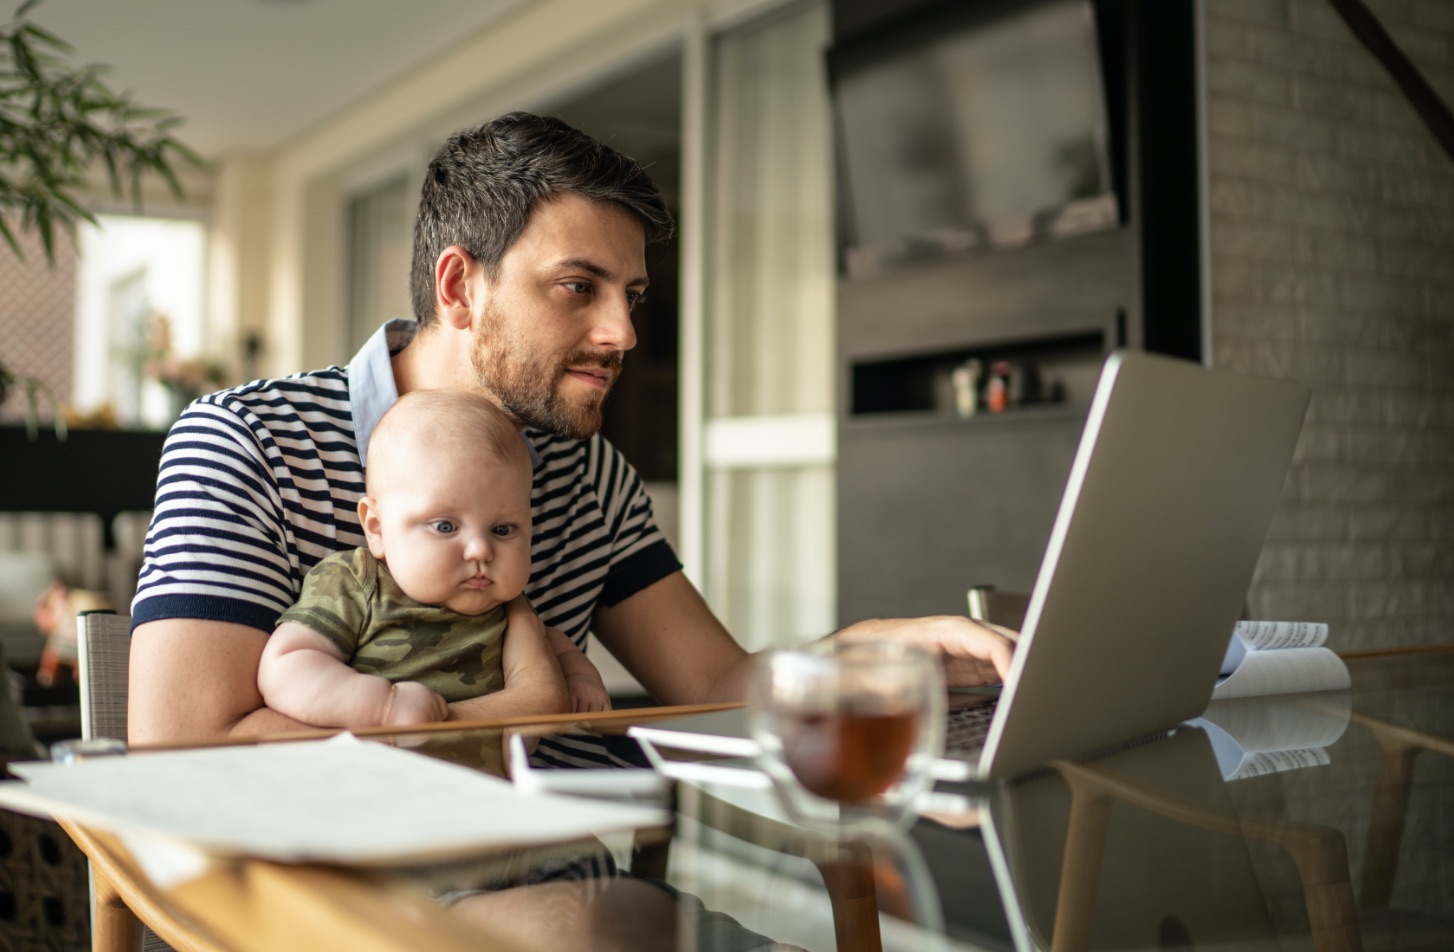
x=443, y=526
x=579, y=287
x=634, y=298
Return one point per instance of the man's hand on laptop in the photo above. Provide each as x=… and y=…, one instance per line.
x=973, y=652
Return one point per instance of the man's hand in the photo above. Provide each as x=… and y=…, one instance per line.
x=413, y=703
x=973, y=652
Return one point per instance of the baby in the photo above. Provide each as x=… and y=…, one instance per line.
x=391, y=633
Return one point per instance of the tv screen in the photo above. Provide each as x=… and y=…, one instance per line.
x=965, y=131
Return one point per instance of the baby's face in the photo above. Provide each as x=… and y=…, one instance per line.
x=453, y=529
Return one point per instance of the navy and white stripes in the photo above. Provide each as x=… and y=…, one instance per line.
x=260, y=483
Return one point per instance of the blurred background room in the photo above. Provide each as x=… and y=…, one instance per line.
x=910, y=230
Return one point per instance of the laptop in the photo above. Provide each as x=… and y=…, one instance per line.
x=1174, y=484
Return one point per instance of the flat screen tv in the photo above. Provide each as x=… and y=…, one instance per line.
x=976, y=126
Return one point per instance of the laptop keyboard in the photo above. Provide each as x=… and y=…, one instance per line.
x=966, y=728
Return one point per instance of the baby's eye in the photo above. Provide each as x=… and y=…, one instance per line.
x=503, y=531
x=443, y=526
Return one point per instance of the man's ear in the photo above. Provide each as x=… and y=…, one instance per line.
x=455, y=288
x=368, y=517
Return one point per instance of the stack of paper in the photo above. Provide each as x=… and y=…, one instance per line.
x=1279, y=657
x=336, y=801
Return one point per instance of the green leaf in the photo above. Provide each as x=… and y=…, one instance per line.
x=112, y=172
x=9, y=237
x=76, y=210
x=136, y=168
x=48, y=38
x=46, y=228
x=57, y=122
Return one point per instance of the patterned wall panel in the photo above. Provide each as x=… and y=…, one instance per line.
x=37, y=318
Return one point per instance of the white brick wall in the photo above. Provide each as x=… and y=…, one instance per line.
x=1332, y=249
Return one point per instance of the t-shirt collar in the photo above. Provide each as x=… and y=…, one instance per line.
x=371, y=386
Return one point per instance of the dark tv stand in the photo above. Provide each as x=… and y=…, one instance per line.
x=930, y=503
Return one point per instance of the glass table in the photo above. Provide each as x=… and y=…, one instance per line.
x=1320, y=821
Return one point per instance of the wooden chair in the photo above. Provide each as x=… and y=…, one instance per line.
x=1319, y=853
x=989, y=604
x=126, y=918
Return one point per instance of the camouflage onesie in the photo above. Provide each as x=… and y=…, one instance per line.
x=351, y=599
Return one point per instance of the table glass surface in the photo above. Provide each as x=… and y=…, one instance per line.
x=1329, y=827
x=1342, y=837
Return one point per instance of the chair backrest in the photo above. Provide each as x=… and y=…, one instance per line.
x=986, y=603
x=103, y=643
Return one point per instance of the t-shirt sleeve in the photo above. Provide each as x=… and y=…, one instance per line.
x=336, y=600
x=215, y=549
x=640, y=554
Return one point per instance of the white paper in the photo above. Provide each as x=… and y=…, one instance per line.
x=167, y=862
x=341, y=801
x=1256, y=735
x=1271, y=636
x=1284, y=671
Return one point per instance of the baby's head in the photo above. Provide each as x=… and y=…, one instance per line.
x=448, y=500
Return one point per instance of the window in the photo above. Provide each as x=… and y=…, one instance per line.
x=140, y=342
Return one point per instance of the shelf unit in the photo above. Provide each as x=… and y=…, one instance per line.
x=930, y=503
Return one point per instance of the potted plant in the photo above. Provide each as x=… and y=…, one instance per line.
x=57, y=124
x=32, y=387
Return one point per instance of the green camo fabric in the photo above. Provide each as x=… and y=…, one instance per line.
x=351, y=599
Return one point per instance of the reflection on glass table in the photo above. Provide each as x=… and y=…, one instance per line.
x=1161, y=845
x=737, y=871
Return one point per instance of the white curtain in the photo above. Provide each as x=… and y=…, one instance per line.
x=769, y=342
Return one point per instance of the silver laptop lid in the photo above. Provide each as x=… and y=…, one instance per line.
x=1178, y=472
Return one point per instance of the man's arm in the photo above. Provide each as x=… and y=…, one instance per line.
x=192, y=680
x=667, y=636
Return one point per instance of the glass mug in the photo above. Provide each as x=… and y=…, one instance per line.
x=848, y=728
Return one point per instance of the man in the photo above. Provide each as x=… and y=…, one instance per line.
x=529, y=255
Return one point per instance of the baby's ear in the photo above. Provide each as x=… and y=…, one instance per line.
x=368, y=517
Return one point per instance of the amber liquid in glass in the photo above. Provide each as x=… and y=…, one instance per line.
x=846, y=755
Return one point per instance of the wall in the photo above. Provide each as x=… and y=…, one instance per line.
x=1332, y=262
x=538, y=51
x=36, y=309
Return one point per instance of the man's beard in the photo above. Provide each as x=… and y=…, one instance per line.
x=528, y=389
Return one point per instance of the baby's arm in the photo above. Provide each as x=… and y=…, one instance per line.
x=303, y=675
x=533, y=682
x=587, y=690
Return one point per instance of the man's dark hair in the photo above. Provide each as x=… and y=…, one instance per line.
x=485, y=182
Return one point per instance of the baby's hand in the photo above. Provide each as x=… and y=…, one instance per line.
x=587, y=691
x=413, y=703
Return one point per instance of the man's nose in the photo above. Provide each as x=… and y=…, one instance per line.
x=613, y=329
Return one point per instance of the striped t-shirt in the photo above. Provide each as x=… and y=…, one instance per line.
x=260, y=483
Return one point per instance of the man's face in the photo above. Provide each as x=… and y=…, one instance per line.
x=555, y=322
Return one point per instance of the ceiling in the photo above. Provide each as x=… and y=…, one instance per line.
x=248, y=75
